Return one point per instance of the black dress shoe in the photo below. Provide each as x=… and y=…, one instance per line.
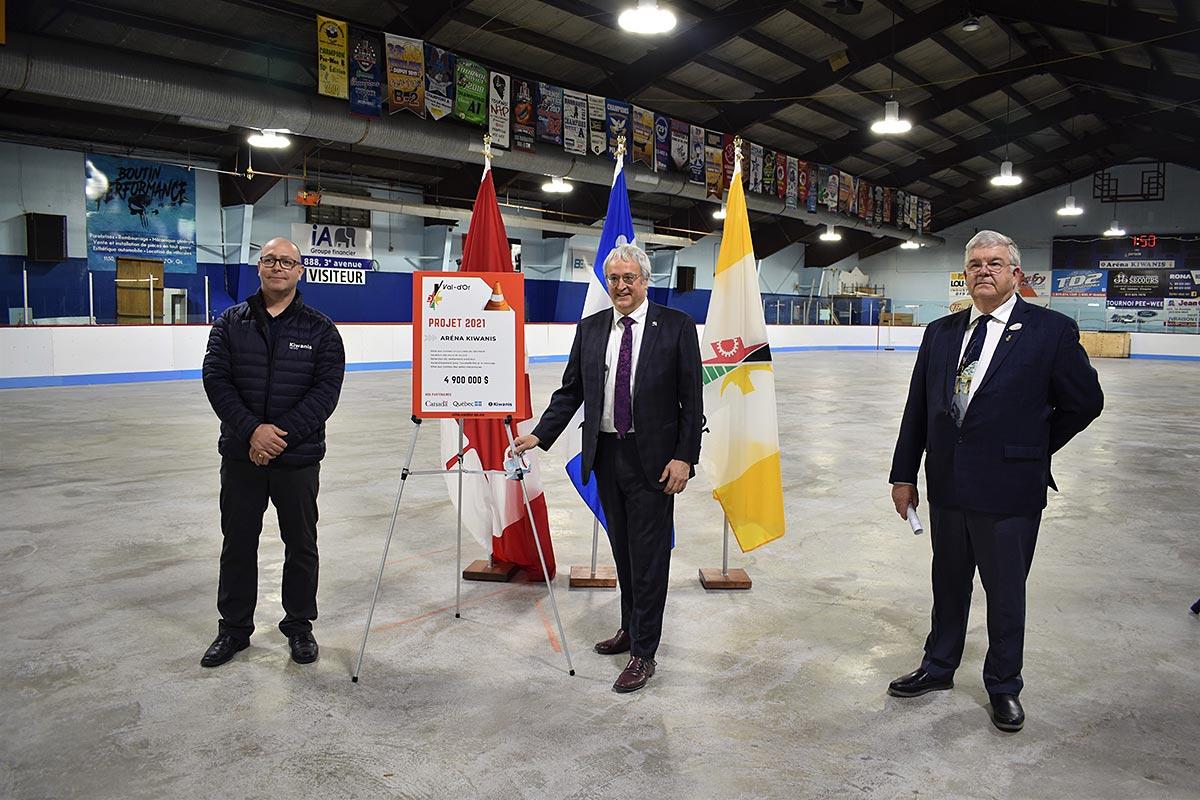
x=1007, y=714
x=304, y=647
x=222, y=649
x=617, y=644
x=636, y=673
x=917, y=683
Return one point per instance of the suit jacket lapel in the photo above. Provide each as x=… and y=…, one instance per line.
x=954, y=339
x=1008, y=340
x=649, y=336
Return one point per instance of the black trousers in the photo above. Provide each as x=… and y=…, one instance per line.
x=1002, y=548
x=245, y=490
x=639, y=517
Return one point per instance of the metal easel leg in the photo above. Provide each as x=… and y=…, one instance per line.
x=404, y=473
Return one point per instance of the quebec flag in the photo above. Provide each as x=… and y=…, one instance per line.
x=618, y=229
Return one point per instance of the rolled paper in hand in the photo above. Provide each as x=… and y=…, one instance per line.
x=915, y=521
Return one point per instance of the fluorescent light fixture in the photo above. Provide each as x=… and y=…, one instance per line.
x=1114, y=229
x=270, y=139
x=909, y=244
x=647, y=18
x=720, y=212
x=1006, y=176
x=971, y=24
x=830, y=234
x=556, y=185
x=891, y=122
x=1069, y=208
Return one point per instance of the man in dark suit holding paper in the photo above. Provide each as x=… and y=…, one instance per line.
x=635, y=369
x=997, y=389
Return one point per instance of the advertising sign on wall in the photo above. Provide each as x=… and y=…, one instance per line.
x=148, y=210
x=1035, y=288
x=960, y=298
x=1079, y=283
x=334, y=247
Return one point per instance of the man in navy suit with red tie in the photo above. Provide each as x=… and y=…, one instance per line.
x=635, y=369
x=997, y=389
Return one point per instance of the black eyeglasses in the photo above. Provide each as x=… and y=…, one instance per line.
x=271, y=261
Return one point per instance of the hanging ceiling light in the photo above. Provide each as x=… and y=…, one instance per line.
x=1006, y=176
x=891, y=122
x=270, y=139
x=971, y=24
x=1069, y=208
x=720, y=212
x=647, y=18
x=909, y=244
x=1115, y=228
x=556, y=185
x=830, y=234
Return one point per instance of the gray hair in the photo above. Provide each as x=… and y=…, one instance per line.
x=631, y=253
x=992, y=239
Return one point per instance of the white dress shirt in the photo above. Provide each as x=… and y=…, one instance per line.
x=995, y=330
x=610, y=361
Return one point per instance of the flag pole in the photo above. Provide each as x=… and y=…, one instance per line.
x=725, y=578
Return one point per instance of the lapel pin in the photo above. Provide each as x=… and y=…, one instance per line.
x=1008, y=338
x=1016, y=326
x=654, y=323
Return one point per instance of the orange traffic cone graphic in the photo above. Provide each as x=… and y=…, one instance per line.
x=497, y=303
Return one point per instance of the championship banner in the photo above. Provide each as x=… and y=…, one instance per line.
x=830, y=178
x=925, y=214
x=728, y=156
x=889, y=197
x=332, y=247
x=696, y=154
x=550, y=113
x=680, y=162
x=470, y=91
x=960, y=298
x=499, y=109
x=878, y=204
x=597, y=134
x=813, y=186
x=1079, y=283
x=756, y=168
x=366, y=73
x=768, y=170
x=439, y=81
x=662, y=143
x=524, y=114
x=405, y=74
x=148, y=211
x=1035, y=288
x=802, y=185
x=901, y=221
x=642, y=122
x=617, y=122
x=792, y=195
x=910, y=203
x=714, y=152
x=468, y=344
x=781, y=176
x=332, y=73
x=575, y=122
x=863, y=206
x=847, y=194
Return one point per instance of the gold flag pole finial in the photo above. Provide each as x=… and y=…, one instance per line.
x=487, y=147
x=620, y=146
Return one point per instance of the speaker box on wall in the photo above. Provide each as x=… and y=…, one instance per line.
x=685, y=279
x=46, y=237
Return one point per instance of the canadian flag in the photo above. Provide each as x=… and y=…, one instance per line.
x=493, y=507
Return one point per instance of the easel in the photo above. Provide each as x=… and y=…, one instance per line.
x=405, y=473
x=724, y=578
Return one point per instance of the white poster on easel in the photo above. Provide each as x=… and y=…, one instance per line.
x=469, y=344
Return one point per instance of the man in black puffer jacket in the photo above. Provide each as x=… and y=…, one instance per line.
x=273, y=372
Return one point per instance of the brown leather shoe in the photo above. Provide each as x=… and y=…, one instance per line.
x=617, y=644
x=636, y=673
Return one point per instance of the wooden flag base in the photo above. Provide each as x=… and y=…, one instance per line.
x=735, y=579
x=582, y=577
x=481, y=570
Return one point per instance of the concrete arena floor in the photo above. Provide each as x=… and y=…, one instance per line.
x=108, y=568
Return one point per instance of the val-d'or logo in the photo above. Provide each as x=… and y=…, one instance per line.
x=435, y=296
